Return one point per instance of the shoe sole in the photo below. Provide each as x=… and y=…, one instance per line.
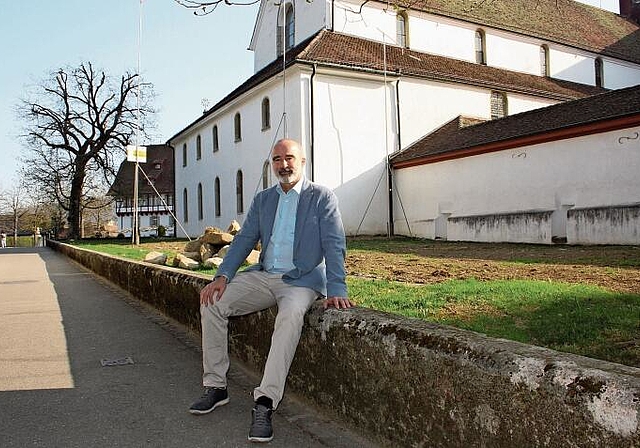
x=260, y=439
x=206, y=411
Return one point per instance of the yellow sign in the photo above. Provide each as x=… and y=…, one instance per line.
x=137, y=152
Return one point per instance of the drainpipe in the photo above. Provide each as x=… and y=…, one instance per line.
x=333, y=14
x=312, y=119
x=390, y=169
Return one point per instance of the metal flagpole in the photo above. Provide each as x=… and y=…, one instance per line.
x=135, y=236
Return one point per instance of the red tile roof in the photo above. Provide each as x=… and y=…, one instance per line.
x=332, y=49
x=561, y=21
x=454, y=139
x=162, y=178
x=341, y=50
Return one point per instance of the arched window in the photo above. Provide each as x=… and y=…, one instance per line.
x=290, y=30
x=200, y=213
x=286, y=33
x=184, y=155
x=599, y=66
x=402, y=34
x=266, y=114
x=544, y=60
x=265, y=175
x=216, y=194
x=481, y=48
x=198, y=147
x=185, y=206
x=214, y=137
x=237, y=127
x=239, y=193
x=498, y=105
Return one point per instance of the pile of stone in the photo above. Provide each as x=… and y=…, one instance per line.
x=208, y=250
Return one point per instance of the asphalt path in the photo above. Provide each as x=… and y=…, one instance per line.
x=83, y=364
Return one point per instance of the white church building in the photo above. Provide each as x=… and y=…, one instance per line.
x=372, y=88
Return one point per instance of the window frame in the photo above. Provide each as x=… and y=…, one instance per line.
x=266, y=170
x=545, y=69
x=214, y=138
x=200, y=207
x=598, y=65
x=198, y=147
x=237, y=127
x=184, y=155
x=216, y=195
x=266, y=113
x=285, y=35
x=402, y=36
x=480, y=45
x=185, y=205
x=502, y=109
x=239, y=192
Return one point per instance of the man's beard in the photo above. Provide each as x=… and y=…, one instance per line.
x=286, y=176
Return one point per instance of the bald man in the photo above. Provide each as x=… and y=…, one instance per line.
x=300, y=229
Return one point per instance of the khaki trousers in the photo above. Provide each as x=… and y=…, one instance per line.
x=246, y=293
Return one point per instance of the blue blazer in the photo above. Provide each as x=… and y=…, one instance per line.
x=319, y=245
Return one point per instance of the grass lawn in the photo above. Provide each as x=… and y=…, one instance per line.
x=527, y=294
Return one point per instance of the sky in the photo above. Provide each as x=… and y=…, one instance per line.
x=187, y=58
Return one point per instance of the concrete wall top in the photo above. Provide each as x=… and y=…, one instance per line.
x=412, y=383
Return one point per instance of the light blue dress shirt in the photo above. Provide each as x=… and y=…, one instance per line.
x=279, y=254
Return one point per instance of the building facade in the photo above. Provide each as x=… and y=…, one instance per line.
x=365, y=80
x=155, y=193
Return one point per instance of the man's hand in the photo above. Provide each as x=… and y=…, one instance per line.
x=211, y=293
x=337, y=302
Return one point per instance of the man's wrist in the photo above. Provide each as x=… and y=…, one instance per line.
x=216, y=277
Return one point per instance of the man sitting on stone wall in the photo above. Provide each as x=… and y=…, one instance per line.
x=300, y=229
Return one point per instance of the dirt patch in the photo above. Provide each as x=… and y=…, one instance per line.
x=616, y=268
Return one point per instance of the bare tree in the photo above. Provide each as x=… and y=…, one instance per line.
x=77, y=126
x=14, y=203
x=204, y=8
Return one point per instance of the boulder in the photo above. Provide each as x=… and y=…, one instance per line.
x=186, y=262
x=156, y=258
x=207, y=251
x=213, y=262
x=223, y=251
x=253, y=257
x=193, y=245
x=193, y=255
x=234, y=227
x=217, y=239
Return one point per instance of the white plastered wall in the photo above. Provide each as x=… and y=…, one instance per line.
x=350, y=149
x=456, y=39
x=247, y=155
x=593, y=171
x=309, y=19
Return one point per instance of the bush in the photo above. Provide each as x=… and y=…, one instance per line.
x=162, y=231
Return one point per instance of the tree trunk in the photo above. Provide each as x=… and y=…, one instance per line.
x=75, y=206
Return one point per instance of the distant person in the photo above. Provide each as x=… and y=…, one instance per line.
x=3, y=239
x=300, y=229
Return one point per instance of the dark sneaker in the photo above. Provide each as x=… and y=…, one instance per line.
x=211, y=399
x=261, y=429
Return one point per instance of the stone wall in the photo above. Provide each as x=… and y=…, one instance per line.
x=415, y=384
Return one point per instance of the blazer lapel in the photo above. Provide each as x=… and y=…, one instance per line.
x=269, y=215
x=304, y=202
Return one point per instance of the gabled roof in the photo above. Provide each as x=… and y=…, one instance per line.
x=607, y=111
x=341, y=50
x=163, y=177
x=330, y=49
x=563, y=21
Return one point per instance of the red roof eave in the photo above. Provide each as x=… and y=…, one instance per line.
x=557, y=134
